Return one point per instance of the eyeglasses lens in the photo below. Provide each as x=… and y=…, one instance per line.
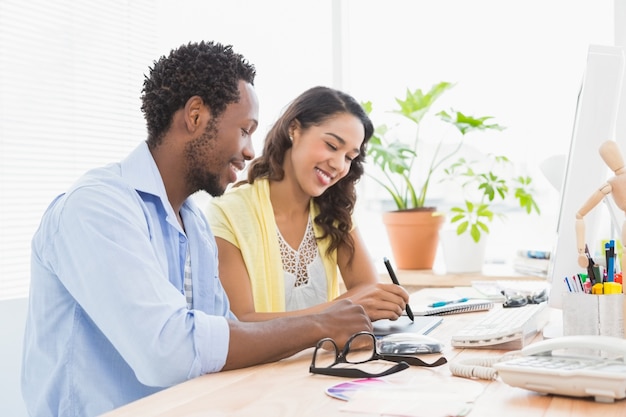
x=325, y=354
x=361, y=348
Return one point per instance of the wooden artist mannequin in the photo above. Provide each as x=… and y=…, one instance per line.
x=616, y=186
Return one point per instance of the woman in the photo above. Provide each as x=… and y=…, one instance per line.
x=282, y=235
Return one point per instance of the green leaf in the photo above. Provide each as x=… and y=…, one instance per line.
x=416, y=103
x=367, y=106
x=475, y=233
x=483, y=226
x=394, y=157
x=466, y=124
x=457, y=218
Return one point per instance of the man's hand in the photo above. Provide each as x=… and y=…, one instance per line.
x=343, y=319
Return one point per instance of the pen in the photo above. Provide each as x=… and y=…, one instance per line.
x=569, y=287
x=611, y=266
x=586, y=283
x=590, y=265
x=392, y=274
x=607, y=255
x=579, y=281
x=443, y=303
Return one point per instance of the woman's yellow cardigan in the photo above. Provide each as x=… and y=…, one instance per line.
x=244, y=217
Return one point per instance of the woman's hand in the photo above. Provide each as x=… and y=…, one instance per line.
x=380, y=301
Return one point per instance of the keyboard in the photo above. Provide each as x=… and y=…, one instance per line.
x=503, y=328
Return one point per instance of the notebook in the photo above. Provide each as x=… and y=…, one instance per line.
x=454, y=308
x=421, y=325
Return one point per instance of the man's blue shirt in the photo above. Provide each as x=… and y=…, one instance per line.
x=108, y=321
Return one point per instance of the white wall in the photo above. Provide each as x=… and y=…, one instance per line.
x=12, y=319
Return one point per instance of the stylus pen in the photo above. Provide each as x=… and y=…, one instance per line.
x=392, y=274
x=445, y=303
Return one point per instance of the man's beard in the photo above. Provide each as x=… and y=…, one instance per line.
x=202, y=149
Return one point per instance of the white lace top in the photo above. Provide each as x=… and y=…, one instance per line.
x=305, y=277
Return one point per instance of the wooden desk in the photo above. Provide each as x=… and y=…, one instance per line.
x=414, y=280
x=286, y=388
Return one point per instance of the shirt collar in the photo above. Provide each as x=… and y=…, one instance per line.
x=140, y=171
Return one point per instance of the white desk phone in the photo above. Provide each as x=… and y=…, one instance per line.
x=599, y=372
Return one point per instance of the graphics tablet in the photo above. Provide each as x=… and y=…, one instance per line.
x=421, y=325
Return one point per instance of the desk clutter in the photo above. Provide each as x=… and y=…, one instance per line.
x=416, y=391
x=595, y=365
x=594, y=301
x=588, y=361
x=522, y=313
x=600, y=278
x=587, y=366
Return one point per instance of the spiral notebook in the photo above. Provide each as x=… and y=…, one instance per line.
x=454, y=308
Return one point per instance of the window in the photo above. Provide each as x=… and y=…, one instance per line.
x=70, y=75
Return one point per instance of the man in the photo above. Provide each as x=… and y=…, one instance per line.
x=125, y=296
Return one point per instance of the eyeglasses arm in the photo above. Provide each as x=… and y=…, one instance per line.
x=357, y=373
x=415, y=361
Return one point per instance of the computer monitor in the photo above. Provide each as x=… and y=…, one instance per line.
x=595, y=122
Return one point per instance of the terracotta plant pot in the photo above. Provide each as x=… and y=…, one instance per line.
x=414, y=236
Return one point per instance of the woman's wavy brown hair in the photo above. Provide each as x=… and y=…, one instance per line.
x=336, y=204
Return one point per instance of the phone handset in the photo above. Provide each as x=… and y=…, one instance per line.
x=603, y=343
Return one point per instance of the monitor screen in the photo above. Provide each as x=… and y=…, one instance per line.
x=585, y=172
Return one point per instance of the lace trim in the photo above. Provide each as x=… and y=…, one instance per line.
x=295, y=262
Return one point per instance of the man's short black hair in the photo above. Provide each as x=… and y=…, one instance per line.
x=206, y=69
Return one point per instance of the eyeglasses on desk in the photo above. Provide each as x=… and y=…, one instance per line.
x=360, y=348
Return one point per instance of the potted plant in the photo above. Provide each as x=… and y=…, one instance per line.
x=482, y=186
x=405, y=169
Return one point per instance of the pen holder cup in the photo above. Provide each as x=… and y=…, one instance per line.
x=591, y=314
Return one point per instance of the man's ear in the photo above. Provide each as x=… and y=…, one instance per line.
x=194, y=109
